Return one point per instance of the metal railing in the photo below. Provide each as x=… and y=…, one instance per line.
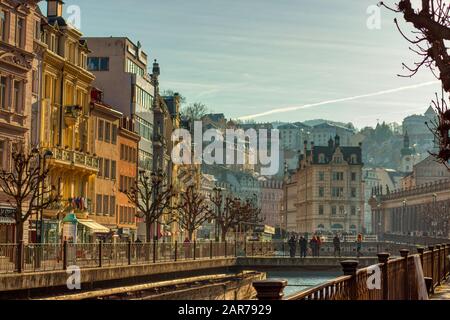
x=48, y=257
x=399, y=279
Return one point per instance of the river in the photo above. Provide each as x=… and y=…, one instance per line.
x=302, y=280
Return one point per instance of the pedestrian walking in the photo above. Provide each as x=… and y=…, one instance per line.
x=292, y=246
x=359, y=245
x=319, y=243
x=337, y=246
x=313, y=245
x=303, y=247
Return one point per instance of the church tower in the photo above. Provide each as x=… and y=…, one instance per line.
x=408, y=156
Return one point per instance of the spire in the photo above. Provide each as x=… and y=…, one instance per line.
x=406, y=140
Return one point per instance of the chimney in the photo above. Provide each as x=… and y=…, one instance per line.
x=54, y=8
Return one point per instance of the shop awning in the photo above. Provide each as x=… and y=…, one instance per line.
x=94, y=226
x=7, y=220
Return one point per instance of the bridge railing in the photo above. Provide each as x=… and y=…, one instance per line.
x=413, y=240
x=390, y=279
x=49, y=257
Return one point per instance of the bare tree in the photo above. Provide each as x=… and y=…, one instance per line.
x=432, y=25
x=192, y=211
x=194, y=111
x=231, y=213
x=22, y=187
x=152, y=198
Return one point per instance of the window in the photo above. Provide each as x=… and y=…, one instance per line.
x=100, y=167
x=120, y=214
x=20, y=32
x=98, y=63
x=144, y=128
x=101, y=129
x=321, y=192
x=37, y=30
x=98, y=204
x=107, y=132
x=35, y=82
x=105, y=204
x=333, y=210
x=132, y=67
x=107, y=168
x=353, y=211
x=353, y=192
x=3, y=92
x=113, y=170
x=114, y=134
x=353, y=176
x=143, y=98
x=321, y=158
x=321, y=176
x=337, y=192
x=3, y=25
x=121, y=185
x=321, y=209
x=112, y=206
x=341, y=210
x=17, y=98
x=122, y=147
x=338, y=176
x=2, y=154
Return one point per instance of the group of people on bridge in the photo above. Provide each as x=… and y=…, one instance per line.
x=315, y=244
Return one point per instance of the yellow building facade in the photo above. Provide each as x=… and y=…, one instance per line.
x=64, y=116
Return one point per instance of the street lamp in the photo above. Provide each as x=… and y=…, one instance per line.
x=402, y=217
x=433, y=214
x=157, y=178
x=42, y=163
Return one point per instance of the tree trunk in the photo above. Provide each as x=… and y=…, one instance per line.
x=223, y=235
x=148, y=226
x=19, y=231
x=190, y=234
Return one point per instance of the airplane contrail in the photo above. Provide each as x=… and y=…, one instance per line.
x=306, y=106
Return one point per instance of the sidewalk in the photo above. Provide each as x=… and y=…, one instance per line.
x=442, y=292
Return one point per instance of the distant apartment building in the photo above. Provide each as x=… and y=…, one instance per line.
x=271, y=202
x=120, y=67
x=322, y=133
x=128, y=144
x=417, y=129
x=330, y=191
x=425, y=171
x=105, y=121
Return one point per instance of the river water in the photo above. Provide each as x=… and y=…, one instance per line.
x=300, y=280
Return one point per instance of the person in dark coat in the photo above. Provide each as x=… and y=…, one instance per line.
x=303, y=247
x=292, y=246
x=337, y=246
x=313, y=245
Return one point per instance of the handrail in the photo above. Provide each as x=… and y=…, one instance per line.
x=309, y=292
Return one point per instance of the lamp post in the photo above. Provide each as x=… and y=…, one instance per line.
x=157, y=178
x=218, y=200
x=402, y=217
x=42, y=163
x=433, y=214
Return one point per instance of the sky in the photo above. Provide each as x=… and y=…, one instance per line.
x=272, y=57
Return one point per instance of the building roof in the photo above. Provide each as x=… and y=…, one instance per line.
x=328, y=152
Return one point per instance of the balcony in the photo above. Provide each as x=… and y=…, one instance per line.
x=76, y=159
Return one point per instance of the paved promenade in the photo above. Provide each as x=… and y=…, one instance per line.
x=442, y=292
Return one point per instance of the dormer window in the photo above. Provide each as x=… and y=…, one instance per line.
x=321, y=158
x=353, y=159
x=337, y=159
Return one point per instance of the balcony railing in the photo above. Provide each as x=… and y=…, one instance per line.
x=76, y=158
